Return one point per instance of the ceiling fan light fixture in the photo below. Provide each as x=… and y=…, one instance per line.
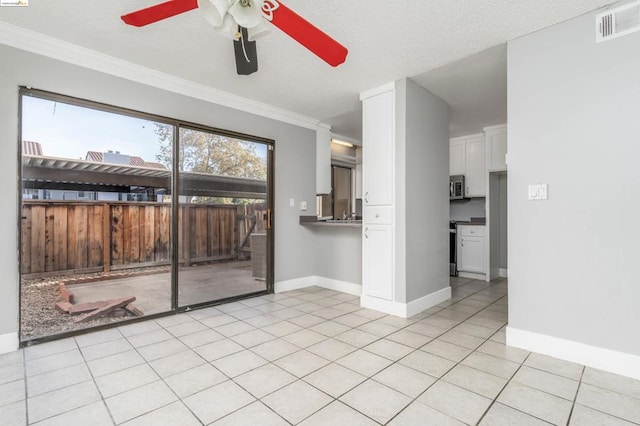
x=214, y=11
x=248, y=16
x=226, y=15
x=259, y=31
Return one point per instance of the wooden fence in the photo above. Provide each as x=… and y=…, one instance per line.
x=76, y=237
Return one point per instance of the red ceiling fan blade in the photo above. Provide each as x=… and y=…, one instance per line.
x=308, y=35
x=161, y=11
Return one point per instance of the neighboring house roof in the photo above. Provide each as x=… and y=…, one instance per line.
x=98, y=157
x=31, y=148
x=155, y=165
x=94, y=156
x=137, y=161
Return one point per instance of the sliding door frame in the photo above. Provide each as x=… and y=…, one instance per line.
x=175, y=186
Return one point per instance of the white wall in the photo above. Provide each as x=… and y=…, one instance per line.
x=426, y=196
x=574, y=109
x=294, y=155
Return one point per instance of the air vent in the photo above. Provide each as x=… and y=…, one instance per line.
x=617, y=22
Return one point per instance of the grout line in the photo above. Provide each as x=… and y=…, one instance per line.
x=162, y=379
x=325, y=339
x=575, y=397
x=502, y=390
x=456, y=363
x=93, y=379
x=26, y=387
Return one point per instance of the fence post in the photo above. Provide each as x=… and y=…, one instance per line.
x=106, y=237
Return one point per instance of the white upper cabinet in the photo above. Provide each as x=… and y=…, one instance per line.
x=476, y=171
x=358, y=172
x=496, y=147
x=378, y=133
x=456, y=157
x=323, y=160
x=467, y=157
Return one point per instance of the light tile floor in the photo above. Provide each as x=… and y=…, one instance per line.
x=311, y=357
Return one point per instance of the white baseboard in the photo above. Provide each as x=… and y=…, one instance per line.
x=314, y=280
x=425, y=302
x=592, y=356
x=502, y=273
x=341, y=286
x=472, y=275
x=387, y=306
x=295, y=284
x=9, y=342
x=406, y=310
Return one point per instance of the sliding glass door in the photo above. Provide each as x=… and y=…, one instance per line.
x=95, y=228
x=126, y=215
x=223, y=217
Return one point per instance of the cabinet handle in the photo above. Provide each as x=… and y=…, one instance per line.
x=366, y=197
x=366, y=232
x=377, y=215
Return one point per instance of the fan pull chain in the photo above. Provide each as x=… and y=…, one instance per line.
x=244, y=51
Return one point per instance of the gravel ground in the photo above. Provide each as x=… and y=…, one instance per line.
x=39, y=317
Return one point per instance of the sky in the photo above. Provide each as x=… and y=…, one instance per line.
x=69, y=131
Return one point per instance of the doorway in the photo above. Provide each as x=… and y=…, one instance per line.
x=127, y=215
x=497, y=216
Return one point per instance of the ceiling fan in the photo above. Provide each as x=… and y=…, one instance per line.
x=244, y=21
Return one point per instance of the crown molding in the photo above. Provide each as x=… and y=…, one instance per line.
x=34, y=42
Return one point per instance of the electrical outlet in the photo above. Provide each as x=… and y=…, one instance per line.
x=303, y=206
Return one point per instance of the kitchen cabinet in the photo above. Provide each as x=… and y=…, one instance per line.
x=378, y=140
x=457, y=156
x=470, y=245
x=397, y=164
x=476, y=172
x=378, y=130
x=496, y=148
x=323, y=160
x=377, y=261
x=358, y=173
x=467, y=157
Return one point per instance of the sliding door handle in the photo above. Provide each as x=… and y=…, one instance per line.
x=269, y=217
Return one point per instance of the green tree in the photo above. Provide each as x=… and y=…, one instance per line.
x=205, y=152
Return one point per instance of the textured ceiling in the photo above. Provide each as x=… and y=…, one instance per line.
x=387, y=40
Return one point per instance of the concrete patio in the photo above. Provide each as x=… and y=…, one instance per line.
x=196, y=284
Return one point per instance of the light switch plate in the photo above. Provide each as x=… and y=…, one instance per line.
x=292, y=202
x=303, y=206
x=538, y=192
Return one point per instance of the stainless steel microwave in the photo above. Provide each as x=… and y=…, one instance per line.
x=456, y=187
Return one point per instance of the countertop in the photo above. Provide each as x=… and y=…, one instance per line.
x=479, y=221
x=313, y=221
